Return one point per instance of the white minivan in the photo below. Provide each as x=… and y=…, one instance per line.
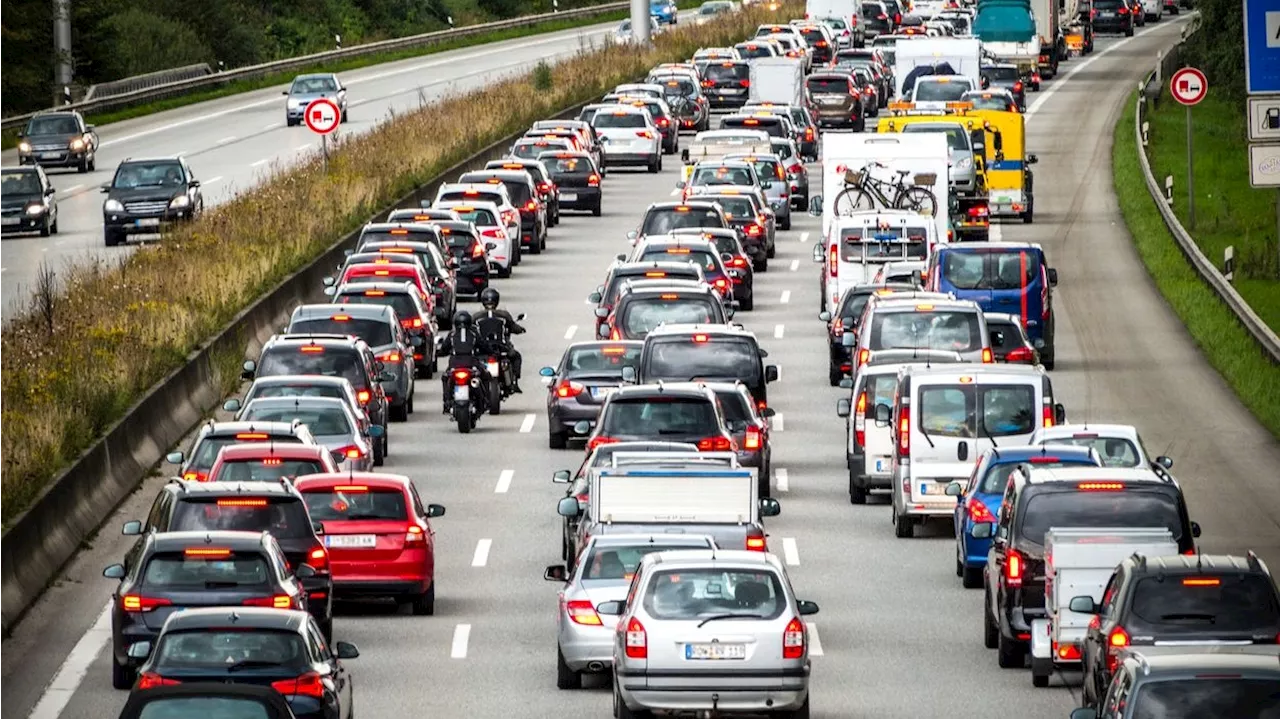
x=944, y=417
x=857, y=245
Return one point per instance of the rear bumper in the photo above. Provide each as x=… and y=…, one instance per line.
x=583, y=646
x=632, y=158
x=584, y=198
x=725, y=691
x=346, y=588
x=563, y=415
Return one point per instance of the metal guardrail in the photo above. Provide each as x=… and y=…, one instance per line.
x=1203, y=266
x=179, y=87
x=150, y=79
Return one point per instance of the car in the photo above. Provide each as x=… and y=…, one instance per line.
x=1006, y=76
x=588, y=372
x=306, y=89
x=709, y=175
x=661, y=218
x=750, y=429
x=737, y=263
x=821, y=39
x=333, y=422
x=419, y=228
x=264, y=462
x=378, y=533
x=194, y=463
x=671, y=412
x=378, y=326
x=167, y=572
x=575, y=137
x=806, y=136
x=669, y=651
x=999, y=99
x=979, y=497
x=454, y=195
x=938, y=324
x=695, y=250
x=726, y=82
x=902, y=271
x=794, y=46
x=757, y=48
x=173, y=701
x=845, y=318
x=334, y=355
x=531, y=148
x=683, y=92
x=663, y=118
x=281, y=648
x=664, y=11
x=390, y=268
x=578, y=179
x=584, y=639
x=424, y=317
x=750, y=217
x=623, y=35
x=630, y=137
x=1033, y=500
x=28, y=202
x=797, y=173
x=548, y=192
x=845, y=32
x=301, y=385
x=710, y=353
x=466, y=247
x=1114, y=16
x=59, y=138
x=606, y=295
x=415, y=315
x=864, y=80
x=1119, y=444
x=584, y=131
x=777, y=191
x=523, y=191
x=705, y=56
x=1009, y=341
x=876, y=20
x=495, y=227
x=641, y=309
x=771, y=125
x=147, y=195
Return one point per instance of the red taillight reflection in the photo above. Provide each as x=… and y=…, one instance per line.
x=150, y=680
x=1013, y=569
x=363, y=396
x=309, y=684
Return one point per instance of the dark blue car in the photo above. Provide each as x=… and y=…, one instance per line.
x=664, y=11
x=980, y=501
x=1009, y=277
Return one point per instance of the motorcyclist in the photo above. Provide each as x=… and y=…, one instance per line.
x=463, y=344
x=489, y=298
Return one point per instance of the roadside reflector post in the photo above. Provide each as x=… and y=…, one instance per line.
x=1168, y=189
x=1229, y=263
x=1146, y=127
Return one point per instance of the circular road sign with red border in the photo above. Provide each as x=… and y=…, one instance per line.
x=322, y=116
x=1189, y=86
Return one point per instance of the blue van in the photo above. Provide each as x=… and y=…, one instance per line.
x=1008, y=277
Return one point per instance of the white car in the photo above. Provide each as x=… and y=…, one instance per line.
x=1153, y=9
x=629, y=136
x=623, y=33
x=933, y=92
x=487, y=217
x=470, y=193
x=1119, y=445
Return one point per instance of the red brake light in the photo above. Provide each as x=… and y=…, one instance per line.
x=311, y=349
x=645, y=134
x=477, y=250
x=755, y=544
x=363, y=396
x=637, y=640
x=569, y=389
x=597, y=441
x=461, y=376
x=1044, y=460
x=864, y=356
x=318, y=558
x=860, y=420
x=753, y=439
x=1023, y=354
x=242, y=502
x=251, y=436
x=1069, y=652
x=1048, y=411
x=663, y=122
x=1123, y=10
x=1201, y=582
x=375, y=293
x=308, y=684
x=1118, y=638
x=206, y=552
x=700, y=338
x=716, y=444
x=1017, y=86
x=904, y=432
x=582, y=611
x=531, y=206
x=978, y=511
x=1100, y=486
x=351, y=452
x=414, y=534
x=150, y=680
x=720, y=284
x=391, y=356
x=1013, y=568
x=793, y=640
x=834, y=260
x=279, y=601
x=139, y=603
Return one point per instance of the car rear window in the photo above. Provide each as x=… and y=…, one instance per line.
x=283, y=517
x=569, y=165
x=374, y=332
x=736, y=409
x=600, y=360
x=320, y=420
x=469, y=196
x=355, y=503
x=1133, y=508
x=772, y=126
x=880, y=389
x=991, y=270
x=1009, y=333
x=894, y=244
x=1212, y=696
x=997, y=476
x=828, y=86
x=619, y=119
x=219, y=649
x=737, y=208
x=207, y=451
x=396, y=235
x=1108, y=4
x=813, y=35
x=294, y=390
x=620, y=562
x=1011, y=74
x=178, y=569
x=722, y=72
x=1229, y=603
x=478, y=215
x=519, y=191
x=951, y=330
x=330, y=362
x=643, y=314
x=402, y=303
x=949, y=410
x=696, y=593
x=662, y=220
x=210, y=707
x=268, y=469
x=531, y=150
x=719, y=358
x=721, y=175
x=701, y=258
x=934, y=91
x=658, y=416
x=1115, y=451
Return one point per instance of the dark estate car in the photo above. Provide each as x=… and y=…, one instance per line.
x=145, y=196
x=28, y=204
x=59, y=139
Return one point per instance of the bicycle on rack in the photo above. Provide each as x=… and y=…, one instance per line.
x=863, y=192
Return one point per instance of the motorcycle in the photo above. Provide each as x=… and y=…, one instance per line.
x=470, y=395
x=502, y=377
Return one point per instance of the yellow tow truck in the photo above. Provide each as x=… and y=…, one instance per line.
x=1009, y=179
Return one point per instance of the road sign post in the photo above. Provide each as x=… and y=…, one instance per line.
x=322, y=117
x=1189, y=86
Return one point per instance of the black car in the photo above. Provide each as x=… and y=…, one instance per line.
x=1113, y=16
x=524, y=195
x=845, y=319
x=207, y=699
x=28, y=204
x=403, y=298
x=1008, y=77
x=706, y=353
x=284, y=650
x=146, y=196
x=578, y=179
x=334, y=355
x=1198, y=599
x=169, y=571
x=737, y=263
x=726, y=83
x=577, y=387
x=467, y=248
x=59, y=139
x=441, y=269
x=661, y=218
x=876, y=20
x=548, y=192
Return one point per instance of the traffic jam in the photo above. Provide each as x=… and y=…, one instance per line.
x=903, y=134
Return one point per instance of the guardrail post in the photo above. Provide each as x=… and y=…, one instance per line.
x=337, y=41
x=1229, y=263
x=1168, y=189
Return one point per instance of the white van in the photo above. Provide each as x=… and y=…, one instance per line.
x=856, y=245
x=944, y=417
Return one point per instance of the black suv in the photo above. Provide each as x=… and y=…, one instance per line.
x=578, y=180
x=28, y=204
x=726, y=83
x=166, y=572
x=59, y=139
x=1192, y=599
x=541, y=174
x=706, y=353
x=1037, y=499
x=146, y=196
x=273, y=507
x=331, y=356
x=467, y=248
x=524, y=195
x=846, y=318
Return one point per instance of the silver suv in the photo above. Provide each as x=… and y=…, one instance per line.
x=710, y=630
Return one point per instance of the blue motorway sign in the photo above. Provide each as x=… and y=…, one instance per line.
x=1262, y=45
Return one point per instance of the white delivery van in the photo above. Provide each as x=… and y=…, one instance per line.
x=779, y=80
x=857, y=245
x=937, y=56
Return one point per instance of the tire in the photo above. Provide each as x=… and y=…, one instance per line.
x=326, y=628
x=620, y=710
x=122, y=675
x=773, y=249
x=971, y=577
x=857, y=495
x=566, y=678
x=83, y=167
x=464, y=420
x=903, y=527
x=1129, y=32
x=1009, y=653
x=535, y=246
x=597, y=210
x=748, y=304
x=93, y=163
x=916, y=198
x=409, y=404
x=558, y=440
x=399, y=414
x=959, y=566
x=1039, y=680
x=379, y=452
x=424, y=605
x=495, y=397
x=656, y=165
x=289, y=122
x=1049, y=361
x=851, y=200
x=345, y=118
x=834, y=373
x=54, y=227
x=990, y=632
x=46, y=229
x=760, y=265
x=112, y=239
x=786, y=225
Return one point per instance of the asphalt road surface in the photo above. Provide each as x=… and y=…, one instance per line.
x=897, y=636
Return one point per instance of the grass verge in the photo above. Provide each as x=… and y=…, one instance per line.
x=75, y=362
x=1228, y=210
x=1224, y=341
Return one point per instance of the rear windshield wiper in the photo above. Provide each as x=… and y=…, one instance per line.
x=714, y=617
x=253, y=664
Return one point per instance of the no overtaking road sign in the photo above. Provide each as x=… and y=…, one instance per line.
x=1188, y=86
x=322, y=116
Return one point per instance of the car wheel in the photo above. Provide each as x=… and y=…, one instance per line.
x=566, y=678
x=345, y=118
x=83, y=167
x=408, y=405
x=1128, y=32
x=620, y=710
x=747, y=304
x=113, y=238
x=379, y=453
x=971, y=577
x=834, y=373
x=558, y=440
x=535, y=245
x=760, y=265
x=424, y=605
x=1047, y=360
x=786, y=225
x=903, y=526
x=857, y=494
x=93, y=163
x=990, y=632
x=122, y=675
x=1010, y=654
x=597, y=210
x=401, y=413
x=54, y=228
x=46, y=228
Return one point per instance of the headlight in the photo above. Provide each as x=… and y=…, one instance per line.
x=24, y=147
x=112, y=206
x=294, y=104
x=77, y=144
x=965, y=164
x=179, y=201
x=35, y=209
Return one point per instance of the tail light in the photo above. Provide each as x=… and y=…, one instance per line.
x=597, y=441
x=904, y=432
x=978, y=211
x=308, y=684
x=614, y=334
x=753, y=438
x=546, y=187
x=1023, y=354
x=987, y=356
x=461, y=376
x=593, y=180
x=645, y=134
x=195, y=476
x=415, y=534
x=745, y=83
x=477, y=250
x=663, y=122
x=139, y=603
x=1017, y=86
x=1048, y=415
x=318, y=558
x=582, y=611
x=756, y=543
x=897, y=17
x=738, y=262
x=510, y=217
x=494, y=232
x=978, y=511
x=1068, y=652
x=721, y=285
x=808, y=134
x=708, y=83
x=415, y=323
x=391, y=356
x=882, y=16
x=717, y=444
x=351, y=452
x=864, y=356
x=1118, y=639
x=1013, y=566
x=860, y=420
x=833, y=259
x=793, y=640
x=492, y=366
x=279, y=601
x=569, y=389
x=151, y=680
x=363, y=396
x=531, y=206
x=1123, y=10
x=637, y=640
x=869, y=91
x=779, y=172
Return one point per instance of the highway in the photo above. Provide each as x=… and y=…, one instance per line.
x=897, y=636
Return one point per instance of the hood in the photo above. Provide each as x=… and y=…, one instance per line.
x=142, y=194
x=19, y=200
x=303, y=98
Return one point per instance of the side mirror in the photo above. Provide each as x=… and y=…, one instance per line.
x=824, y=316
x=104, y=188
x=815, y=205
x=547, y=372
x=1195, y=530
x=1059, y=414
x=583, y=427
x=983, y=530
x=843, y=408
x=131, y=528
x=595, y=297
x=232, y=405
x=248, y=368
x=680, y=184
x=806, y=608
x=49, y=191
x=883, y=413
x=769, y=507
x=986, y=83
x=115, y=571
x=602, y=312
x=954, y=490
x=138, y=651
x=348, y=253
x=846, y=383
x=304, y=571
x=771, y=373
x=520, y=317
x=609, y=609
x=631, y=236
x=568, y=507
x=491, y=246
x=561, y=476
x=284, y=92
x=346, y=650
x=848, y=340
x=998, y=141
x=1166, y=462
x=327, y=282
x=766, y=185
x=1084, y=713
x=604, y=331
x=174, y=458
x=330, y=291
x=622, y=256
x=1031, y=159
x=818, y=253
x=556, y=573
x=629, y=374
x=318, y=528
x=1053, y=277
x=376, y=430
x=1083, y=604
x=435, y=510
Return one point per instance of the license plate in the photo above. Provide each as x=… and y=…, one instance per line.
x=149, y=222
x=568, y=197
x=10, y=221
x=50, y=155
x=715, y=651
x=351, y=541
x=1106, y=14
x=602, y=392
x=461, y=393
x=881, y=466
x=933, y=488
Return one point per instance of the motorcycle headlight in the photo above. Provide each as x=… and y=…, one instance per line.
x=35, y=208
x=965, y=164
x=179, y=201
x=113, y=206
x=24, y=146
x=77, y=144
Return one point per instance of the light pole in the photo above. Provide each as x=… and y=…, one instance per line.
x=640, y=22
x=62, y=50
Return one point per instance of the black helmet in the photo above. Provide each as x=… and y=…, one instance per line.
x=489, y=298
x=462, y=319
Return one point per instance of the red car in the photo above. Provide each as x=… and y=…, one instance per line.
x=269, y=462
x=378, y=533
x=391, y=272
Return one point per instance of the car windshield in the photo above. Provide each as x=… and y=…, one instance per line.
x=1133, y=508
x=321, y=421
x=939, y=91
x=355, y=503
x=479, y=215
x=132, y=175
x=1004, y=270
x=1004, y=74
x=691, y=594
x=952, y=330
x=949, y=410
x=713, y=8
x=402, y=303
x=828, y=85
x=599, y=361
x=702, y=258
x=1115, y=451
x=207, y=451
x=206, y=707
x=374, y=332
x=569, y=165
x=659, y=416
x=685, y=358
x=53, y=125
x=284, y=518
x=614, y=562
x=644, y=314
x=20, y=182
x=632, y=120
x=956, y=138
x=330, y=362
x=313, y=85
x=1232, y=603
x=858, y=244
x=1237, y=697
x=732, y=72
x=217, y=649
x=269, y=469
x=531, y=150
x=663, y=220
x=177, y=569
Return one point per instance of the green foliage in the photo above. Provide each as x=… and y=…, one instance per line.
x=26, y=36
x=1218, y=47
x=542, y=79
x=500, y=8
x=165, y=43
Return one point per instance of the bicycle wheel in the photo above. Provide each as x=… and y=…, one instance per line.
x=917, y=199
x=851, y=200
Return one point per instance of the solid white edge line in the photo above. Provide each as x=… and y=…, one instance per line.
x=569, y=333
x=70, y=675
x=815, y=642
x=785, y=298
x=212, y=180
x=527, y=425
x=225, y=140
x=795, y=265
x=263, y=161
x=461, y=635
x=504, y=481
x=790, y=552
x=778, y=331
x=782, y=480
x=995, y=233
x=481, y=557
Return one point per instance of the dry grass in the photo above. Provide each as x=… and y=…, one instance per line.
x=75, y=362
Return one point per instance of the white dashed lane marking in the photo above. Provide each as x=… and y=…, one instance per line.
x=790, y=552
x=786, y=297
x=569, y=333
x=782, y=480
x=778, y=331
x=504, y=481
x=461, y=635
x=481, y=557
x=795, y=265
x=815, y=644
x=527, y=425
